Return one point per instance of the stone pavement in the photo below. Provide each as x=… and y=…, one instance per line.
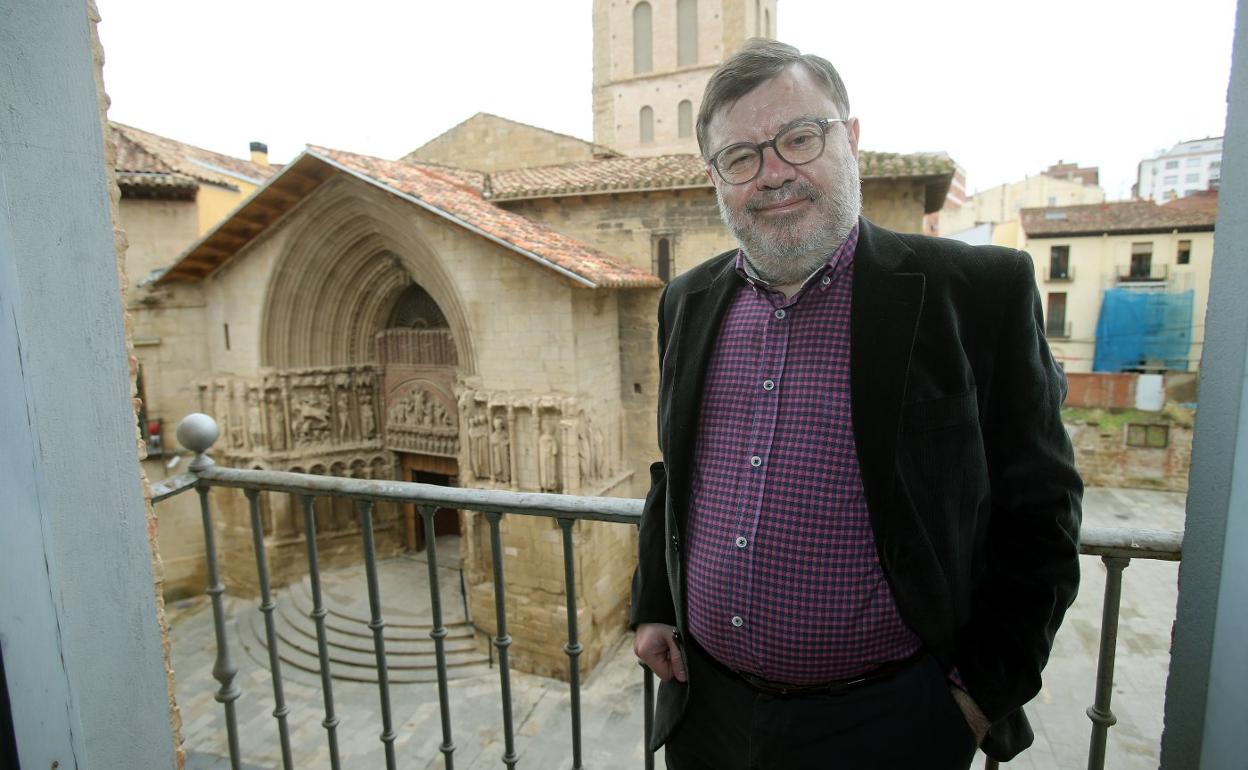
x=612, y=699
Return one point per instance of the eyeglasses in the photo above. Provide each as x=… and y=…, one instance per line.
x=798, y=143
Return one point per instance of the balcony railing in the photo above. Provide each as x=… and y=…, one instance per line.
x=1057, y=329
x=1057, y=273
x=1142, y=273
x=1116, y=547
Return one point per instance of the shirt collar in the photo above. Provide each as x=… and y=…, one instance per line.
x=842, y=254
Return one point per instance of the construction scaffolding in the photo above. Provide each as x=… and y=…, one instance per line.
x=1144, y=331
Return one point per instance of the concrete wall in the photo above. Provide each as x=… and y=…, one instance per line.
x=78, y=621
x=1096, y=261
x=1002, y=203
x=1206, y=697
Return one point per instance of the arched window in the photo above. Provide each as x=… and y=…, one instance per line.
x=686, y=33
x=758, y=19
x=663, y=258
x=643, y=61
x=767, y=23
x=647, y=125
x=684, y=119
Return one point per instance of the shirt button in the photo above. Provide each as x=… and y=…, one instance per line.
x=769, y=385
x=780, y=313
x=741, y=542
x=827, y=279
x=756, y=461
x=737, y=621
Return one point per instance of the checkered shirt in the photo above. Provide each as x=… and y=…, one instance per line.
x=784, y=581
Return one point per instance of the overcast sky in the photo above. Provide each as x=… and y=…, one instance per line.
x=1006, y=88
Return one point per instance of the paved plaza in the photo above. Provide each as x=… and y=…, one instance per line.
x=612, y=694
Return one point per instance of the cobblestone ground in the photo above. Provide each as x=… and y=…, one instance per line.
x=612, y=699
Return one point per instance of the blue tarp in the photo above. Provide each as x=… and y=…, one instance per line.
x=1143, y=328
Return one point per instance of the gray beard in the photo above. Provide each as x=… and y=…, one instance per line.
x=776, y=254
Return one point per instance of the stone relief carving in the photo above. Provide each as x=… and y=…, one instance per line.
x=297, y=410
x=549, y=443
x=420, y=418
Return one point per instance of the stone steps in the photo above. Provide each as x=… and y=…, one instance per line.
x=410, y=651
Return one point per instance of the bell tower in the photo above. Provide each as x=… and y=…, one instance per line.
x=652, y=59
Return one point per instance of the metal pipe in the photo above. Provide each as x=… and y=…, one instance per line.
x=502, y=641
x=647, y=708
x=378, y=625
x=223, y=670
x=267, y=605
x=1099, y=712
x=438, y=634
x=573, y=648
x=322, y=646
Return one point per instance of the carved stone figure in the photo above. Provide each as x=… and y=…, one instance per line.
x=346, y=431
x=312, y=422
x=548, y=461
x=599, y=453
x=368, y=420
x=500, y=452
x=277, y=421
x=255, y=420
x=479, y=446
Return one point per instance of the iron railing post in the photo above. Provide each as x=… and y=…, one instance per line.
x=502, y=640
x=1099, y=712
x=438, y=634
x=378, y=626
x=267, y=605
x=198, y=432
x=573, y=648
x=318, y=613
x=647, y=707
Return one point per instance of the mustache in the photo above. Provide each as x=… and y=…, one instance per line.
x=790, y=191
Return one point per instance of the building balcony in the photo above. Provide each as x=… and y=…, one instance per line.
x=351, y=666
x=1155, y=273
x=1059, y=275
x=1057, y=330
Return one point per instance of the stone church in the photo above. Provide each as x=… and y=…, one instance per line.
x=479, y=313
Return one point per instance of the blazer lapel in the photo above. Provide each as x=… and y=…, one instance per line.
x=883, y=323
x=694, y=331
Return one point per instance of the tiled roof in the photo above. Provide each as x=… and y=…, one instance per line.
x=445, y=192
x=451, y=196
x=146, y=153
x=666, y=172
x=1204, y=200
x=1114, y=217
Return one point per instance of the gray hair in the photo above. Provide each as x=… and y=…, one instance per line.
x=757, y=62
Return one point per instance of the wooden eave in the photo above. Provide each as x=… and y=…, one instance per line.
x=273, y=200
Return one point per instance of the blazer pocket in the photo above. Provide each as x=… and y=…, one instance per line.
x=938, y=413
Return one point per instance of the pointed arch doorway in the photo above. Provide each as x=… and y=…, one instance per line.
x=416, y=352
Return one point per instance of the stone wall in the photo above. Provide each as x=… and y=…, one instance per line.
x=1104, y=458
x=488, y=143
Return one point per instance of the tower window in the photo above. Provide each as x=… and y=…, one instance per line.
x=643, y=60
x=684, y=119
x=647, y=125
x=686, y=33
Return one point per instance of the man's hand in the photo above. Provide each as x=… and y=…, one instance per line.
x=655, y=644
x=975, y=718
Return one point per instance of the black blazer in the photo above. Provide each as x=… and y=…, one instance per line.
x=968, y=472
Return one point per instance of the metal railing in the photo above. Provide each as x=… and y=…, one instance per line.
x=1116, y=547
x=1142, y=273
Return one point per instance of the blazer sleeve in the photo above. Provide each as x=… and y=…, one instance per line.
x=1033, y=532
x=651, y=595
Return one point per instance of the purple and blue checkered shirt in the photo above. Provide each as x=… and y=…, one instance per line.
x=783, y=577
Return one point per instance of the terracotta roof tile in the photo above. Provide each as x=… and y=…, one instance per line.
x=1114, y=217
x=665, y=172
x=144, y=152
x=454, y=196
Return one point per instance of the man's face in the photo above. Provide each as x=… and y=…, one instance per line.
x=789, y=218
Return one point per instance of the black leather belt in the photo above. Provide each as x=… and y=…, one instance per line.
x=839, y=687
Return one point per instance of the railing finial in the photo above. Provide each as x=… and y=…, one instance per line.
x=197, y=432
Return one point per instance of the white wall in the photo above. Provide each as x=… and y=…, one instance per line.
x=78, y=628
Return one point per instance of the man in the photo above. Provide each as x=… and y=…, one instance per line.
x=864, y=531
